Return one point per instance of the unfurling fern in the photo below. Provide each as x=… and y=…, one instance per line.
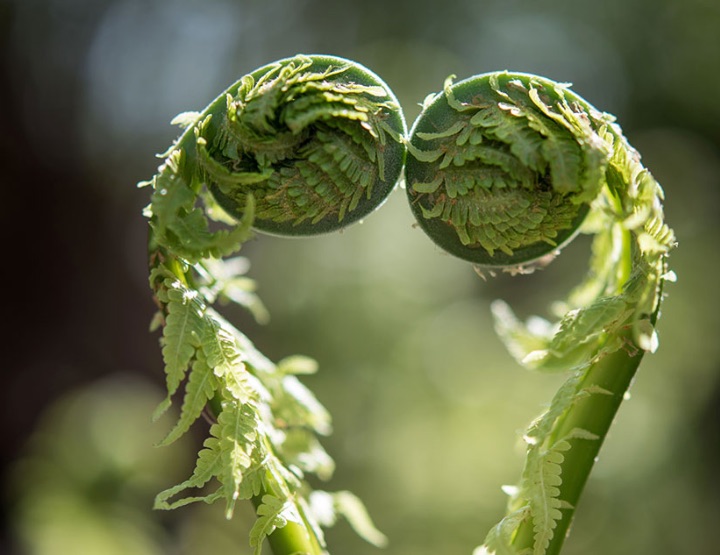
x=302, y=146
x=504, y=169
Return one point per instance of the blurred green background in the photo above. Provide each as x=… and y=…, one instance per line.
x=427, y=405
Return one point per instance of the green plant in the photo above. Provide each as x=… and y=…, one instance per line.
x=302, y=146
x=503, y=170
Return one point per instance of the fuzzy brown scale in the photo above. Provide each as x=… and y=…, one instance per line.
x=317, y=141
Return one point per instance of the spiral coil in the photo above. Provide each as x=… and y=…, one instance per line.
x=316, y=140
x=503, y=167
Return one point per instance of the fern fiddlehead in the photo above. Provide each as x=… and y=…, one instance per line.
x=302, y=146
x=501, y=182
x=504, y=168
x=316, y=141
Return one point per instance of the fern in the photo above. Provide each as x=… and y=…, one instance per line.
x=543, y=471
x=311, y=142
x=504, y=169
x=224, y=356
x=199, y=389
x=237, y=432
x=208, y=465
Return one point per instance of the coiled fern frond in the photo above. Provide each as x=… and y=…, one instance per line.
x=302, y=146
x=316, y=141
x=504, y=169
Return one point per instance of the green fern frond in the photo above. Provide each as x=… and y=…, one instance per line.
x=538, y=433
x=181, y=335
x=236, y=431
x=225, y=358
x=543, y=477
x=208, y=466
x=524, y=139
x=200, y=388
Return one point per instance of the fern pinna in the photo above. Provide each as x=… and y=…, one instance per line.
x=504, y=169
x=302, y=146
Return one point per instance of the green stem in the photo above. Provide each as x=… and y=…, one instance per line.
x=293, y=538
x=594, y=413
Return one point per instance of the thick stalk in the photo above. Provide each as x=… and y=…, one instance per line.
x=594, y=413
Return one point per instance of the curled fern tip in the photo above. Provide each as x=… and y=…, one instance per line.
x=317, y=140
x=502, y=167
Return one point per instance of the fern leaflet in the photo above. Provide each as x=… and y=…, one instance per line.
x=272, y=513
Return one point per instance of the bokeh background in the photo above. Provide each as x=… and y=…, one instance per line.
x=427, y=404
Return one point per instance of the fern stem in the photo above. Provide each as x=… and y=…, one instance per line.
x=594, y=413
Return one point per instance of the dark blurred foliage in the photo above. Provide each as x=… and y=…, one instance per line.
x=426, y=403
